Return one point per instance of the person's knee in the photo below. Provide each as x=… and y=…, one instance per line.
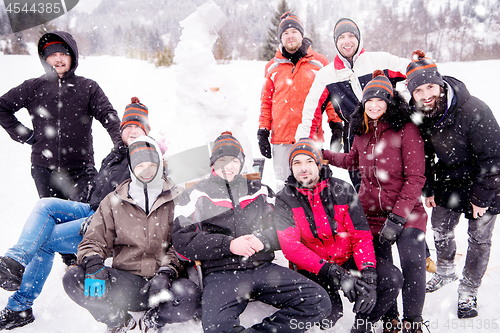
x=73, y=281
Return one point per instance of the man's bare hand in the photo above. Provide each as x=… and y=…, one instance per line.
x=246, y=245
x=478, y=212
x=429, y=202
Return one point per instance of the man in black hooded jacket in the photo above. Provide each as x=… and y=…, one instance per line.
x=62, y=106
x=462, y=132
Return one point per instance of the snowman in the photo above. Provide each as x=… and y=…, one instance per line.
x=207, y=99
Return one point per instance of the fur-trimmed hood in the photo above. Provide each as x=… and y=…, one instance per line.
x=397, y=115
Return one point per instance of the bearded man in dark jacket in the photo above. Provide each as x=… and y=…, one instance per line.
x=462, y=132
x=62, y=106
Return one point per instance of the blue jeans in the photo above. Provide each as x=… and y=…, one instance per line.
x=53, y=226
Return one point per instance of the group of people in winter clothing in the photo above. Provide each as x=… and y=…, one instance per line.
x=396, y=146
x=336, y=236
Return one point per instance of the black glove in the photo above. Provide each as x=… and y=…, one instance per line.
x=344, y=279
x=85, y=225
x=160, y=282
x=69, y=259
x=336, y=140
x=392, y=228
x=366, y=289
x=31, y=140
x=264, y=144
x=96, y=276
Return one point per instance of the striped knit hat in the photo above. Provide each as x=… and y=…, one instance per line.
x=289, y=20
x=227, y=145
x=142, y=151
x=308, y=147
x=345, y=25
x=379, y=87
x=136, y=113
x=421, y=70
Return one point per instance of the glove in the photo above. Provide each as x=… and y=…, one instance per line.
x=328, y=155
x=69, y=259
x=366, y=289
x=391, y=229
x=336, y=140
x=161, y=281
x=347, y=282
x=96, y=276
x=85, y=225
x=264, y=145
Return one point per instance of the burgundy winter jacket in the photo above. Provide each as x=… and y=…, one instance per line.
x=322, y=225
x=61, y=110
x=391, y=160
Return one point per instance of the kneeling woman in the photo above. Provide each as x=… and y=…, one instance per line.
x=389, y=152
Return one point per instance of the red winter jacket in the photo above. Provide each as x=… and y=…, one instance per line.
x=323, y=224
x=391, y=160
x=283, y=95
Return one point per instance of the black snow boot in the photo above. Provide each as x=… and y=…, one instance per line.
x=11, y=274
x=12, y=319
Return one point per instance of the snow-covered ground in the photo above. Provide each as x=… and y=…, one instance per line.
x=123, y=78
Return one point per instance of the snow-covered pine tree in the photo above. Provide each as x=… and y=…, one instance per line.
x=272, y=41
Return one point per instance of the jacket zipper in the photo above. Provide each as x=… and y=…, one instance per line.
x=375, y=169
x=59, y=127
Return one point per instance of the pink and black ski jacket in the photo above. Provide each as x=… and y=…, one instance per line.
x=322, y=225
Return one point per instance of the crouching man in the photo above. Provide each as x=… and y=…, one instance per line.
x=323, y=230
x=226, y=223
x=135, y=223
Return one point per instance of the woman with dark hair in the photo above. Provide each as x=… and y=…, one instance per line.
x=389, y=152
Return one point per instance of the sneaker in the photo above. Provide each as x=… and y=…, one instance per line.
x=128, y=325
x=430, y=265
x=148, y=323
x=467, y=306
x=11, y=274
x=437, y=281
x=391, y=325
x=12, y=319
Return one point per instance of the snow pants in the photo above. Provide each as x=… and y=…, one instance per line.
x=226, y=294
x=52, y=226
x=123, y=294
x=480, y=231
x=389, y=282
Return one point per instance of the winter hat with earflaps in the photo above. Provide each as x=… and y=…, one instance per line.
x=308, y=147
x=227, y=145
x=145, y=149
x=421, y=70
x=289, y=20
x=378, y=87
x=136, y=113
x=142, y=151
